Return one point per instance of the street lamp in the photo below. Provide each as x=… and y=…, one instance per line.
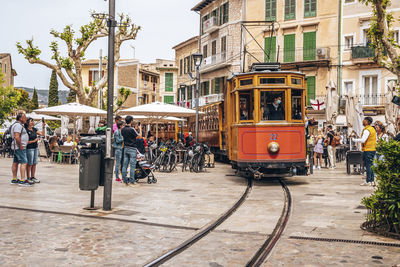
x=197, y=57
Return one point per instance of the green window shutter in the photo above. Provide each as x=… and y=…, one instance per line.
x=290, y=9
x=270, y=10
x=217, y=86
x=226, y=12
x=289, y=48
x=221, y=9
x=169, y=82
x=309, y=45
x=168, y=99
x=207, y=92
x=310, y=8
x=310, y=89
x=270, y=49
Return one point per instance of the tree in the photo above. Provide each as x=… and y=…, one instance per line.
x=24, y=102
x=381, y=36
x=71, y=97
x=35, y=99
x=69, y=67
x=9, y=100
x=53, y=90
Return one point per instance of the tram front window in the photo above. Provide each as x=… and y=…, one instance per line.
x=272, y=106
x=246, y=105
x=296, y=105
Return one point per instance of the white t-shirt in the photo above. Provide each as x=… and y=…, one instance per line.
x=19, y=128
x=68, y=143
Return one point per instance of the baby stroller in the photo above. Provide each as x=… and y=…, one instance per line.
x=144, y=169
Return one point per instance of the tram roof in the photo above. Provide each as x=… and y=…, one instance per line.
x=263, y=72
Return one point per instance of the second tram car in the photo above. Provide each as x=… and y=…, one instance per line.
x=260, y=124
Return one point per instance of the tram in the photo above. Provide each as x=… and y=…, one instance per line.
x=260, y=124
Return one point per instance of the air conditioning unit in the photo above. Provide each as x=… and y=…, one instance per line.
x=322, y=53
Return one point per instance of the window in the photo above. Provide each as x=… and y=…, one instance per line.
x=309, y=45
x=347, y=87
x=310, y=8
x=246, y=82
x=205, y=49
x=206, y=17
x=246, y=106
x=169, y=82
x=370, y=90
x=296, y=81
x=348, y=42
x=290, y=9
x=223, y=44
x=213, y=48
x=310, y=89
x=270, y=10
x=185, y=65
x=5, y=68
x=270, y=49
x=272, y=106
x=289, y=48
x=190, y=92
x=205, y=88
x=297, y=113
x=181, y=67
x=272, y=80
x=224, y=13
x=168, y=99
x=93, y=77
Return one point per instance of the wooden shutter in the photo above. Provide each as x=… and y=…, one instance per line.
x=309, y=45
x=90, y=77
x=289, y=48
x=270, y=10
x=169, y=82
x=310, y=89
x=290, y=9
x=168, y=99
x=217, y=86
x=270, y=49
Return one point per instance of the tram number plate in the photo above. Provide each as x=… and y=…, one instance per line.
x=274, y=137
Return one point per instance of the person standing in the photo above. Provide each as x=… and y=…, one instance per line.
x=130, y=150
x=368, y=145
x=118, y=118
x=32, y=151
x=381, y=132
x=276, y=112
x=20, y=140
x=117, y=145
x=331, y=148
x=318, y=150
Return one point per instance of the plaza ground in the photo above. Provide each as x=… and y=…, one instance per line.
x=46, y=225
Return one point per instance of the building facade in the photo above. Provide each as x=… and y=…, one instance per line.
x=361, y=75
x=7, y=69
x=186, y=84
x=168, y=80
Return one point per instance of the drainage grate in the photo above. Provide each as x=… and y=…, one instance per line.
x=346, y=241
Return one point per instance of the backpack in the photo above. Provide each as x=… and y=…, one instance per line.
x=335, y=141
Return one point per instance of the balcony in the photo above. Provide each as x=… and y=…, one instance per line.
x=362, y=52
x=213, y=62
x=210, y=25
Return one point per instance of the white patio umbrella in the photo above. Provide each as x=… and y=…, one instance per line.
x=72, y=109
x=332, y=100
x=158, y=112
x=391, y=110
x=36, y=116
x=350, y=111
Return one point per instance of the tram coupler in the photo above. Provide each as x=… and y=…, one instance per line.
x=256, y=174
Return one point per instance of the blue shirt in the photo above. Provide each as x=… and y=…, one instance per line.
x=118, y=139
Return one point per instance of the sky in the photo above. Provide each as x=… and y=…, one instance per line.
x=164, y=23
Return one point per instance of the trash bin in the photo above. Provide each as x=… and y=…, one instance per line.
x=89, y=169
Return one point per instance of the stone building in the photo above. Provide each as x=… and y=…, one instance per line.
x=360, y=74
x=168, y=80
x=185, y=64
x=7, y=70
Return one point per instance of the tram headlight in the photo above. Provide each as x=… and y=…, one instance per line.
x=273, y=147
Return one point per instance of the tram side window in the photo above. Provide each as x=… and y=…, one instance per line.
x=296, y=105
x=272, y=106
x=246, y=106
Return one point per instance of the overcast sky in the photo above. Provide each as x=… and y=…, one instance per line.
x=165, y=23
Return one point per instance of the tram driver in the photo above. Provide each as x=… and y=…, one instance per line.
x=275, y=110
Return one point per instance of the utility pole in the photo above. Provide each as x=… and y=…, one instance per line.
x=197, y=102
x=100, y=93
x=109, y=161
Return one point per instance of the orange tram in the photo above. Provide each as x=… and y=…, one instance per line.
x=260, y=125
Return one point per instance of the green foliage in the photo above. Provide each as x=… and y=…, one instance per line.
x=123, y=94
x=24, y=102
x=71, y=97
x=35, y=99
x=8, y=100
x=31, y=52
x=384, y=203
x=54, y=124
x=53, y=90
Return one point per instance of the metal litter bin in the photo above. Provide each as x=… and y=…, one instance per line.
x=89, y=169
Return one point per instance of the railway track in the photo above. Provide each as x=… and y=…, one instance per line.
x=261, y=254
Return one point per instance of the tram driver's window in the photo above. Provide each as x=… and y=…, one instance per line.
x=272, y=106
x=246, y=105
x=296, y=105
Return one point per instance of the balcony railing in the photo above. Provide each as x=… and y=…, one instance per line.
x=362, y=52
x=210, y=25
x=213, y=60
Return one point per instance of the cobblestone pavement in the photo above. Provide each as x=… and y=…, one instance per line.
x=326, y=204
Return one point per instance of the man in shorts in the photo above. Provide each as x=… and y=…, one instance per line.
x=20, y=140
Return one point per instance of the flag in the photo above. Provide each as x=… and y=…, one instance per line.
x=318, y=103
